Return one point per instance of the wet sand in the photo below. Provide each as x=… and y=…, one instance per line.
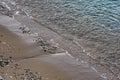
x=12, y=45
x=13, y=49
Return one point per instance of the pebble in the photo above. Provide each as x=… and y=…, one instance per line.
x=11, y=76
x=3, y=42
x=1, y=78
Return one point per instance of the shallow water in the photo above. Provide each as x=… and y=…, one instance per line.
x=92, y=24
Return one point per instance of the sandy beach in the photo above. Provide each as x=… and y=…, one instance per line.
x=14, y=51
x=23, y=57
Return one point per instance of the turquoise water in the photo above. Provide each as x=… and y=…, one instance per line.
x=94, y=24
x=105, y=12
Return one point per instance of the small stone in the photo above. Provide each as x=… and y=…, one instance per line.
x=10, y=76
x=1, y=78
x=3, y=42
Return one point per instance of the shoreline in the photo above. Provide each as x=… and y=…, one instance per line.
x=51, y=28
x=64, y=62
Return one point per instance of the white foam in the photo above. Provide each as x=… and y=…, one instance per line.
x=94, y=69
x=17, y=12
x=59, y=54
x=69, y=54
x=103, y=75
x=6, y=5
